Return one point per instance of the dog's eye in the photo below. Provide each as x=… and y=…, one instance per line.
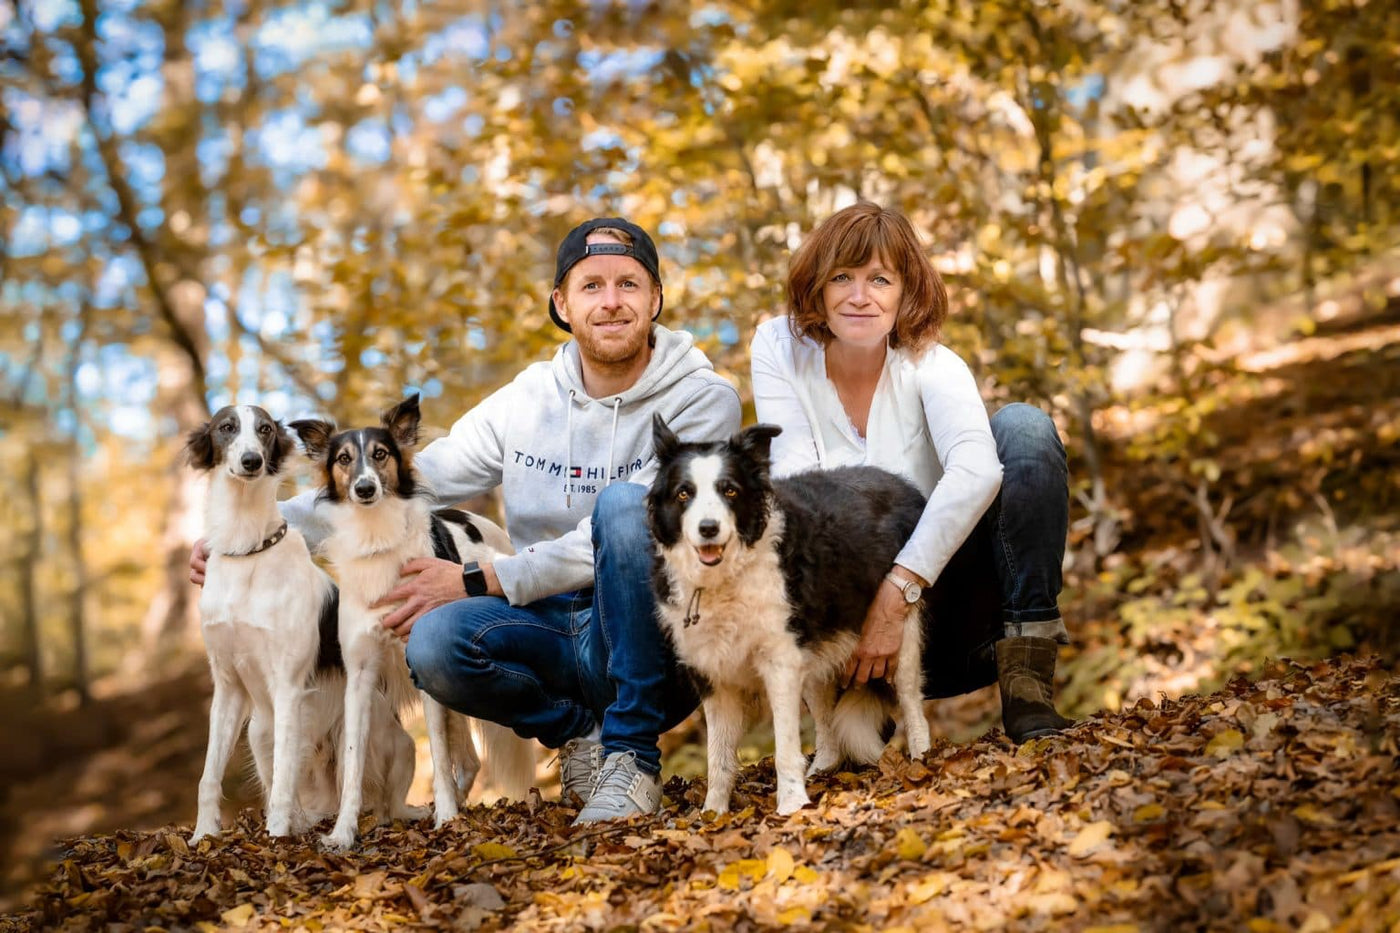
x=344, y=458
x=264, y=429
x=228, y=427
x=381, y=454
x=682, y=495
x=731, y=491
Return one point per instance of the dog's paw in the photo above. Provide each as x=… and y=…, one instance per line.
x=790, y=803
x=411, y=814
x=822, y=764
x=716, y=804
x=201, y=832
x=279, y=825
x=444, y=815
x=338, y=840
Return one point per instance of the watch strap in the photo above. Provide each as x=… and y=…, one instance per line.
x=904, y=586
x=473, y=578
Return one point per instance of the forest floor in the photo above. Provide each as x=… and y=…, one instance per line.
x=1189, y=797
x=1272, y=804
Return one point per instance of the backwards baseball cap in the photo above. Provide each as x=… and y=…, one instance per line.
x=576, y=248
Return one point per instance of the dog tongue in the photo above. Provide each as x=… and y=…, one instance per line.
x=710, y=554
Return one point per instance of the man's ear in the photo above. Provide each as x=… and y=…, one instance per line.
x=402, y=421
x=557, y=296
x=315, y=436
x=756, y=441
x=199, y=447
x=664, y=442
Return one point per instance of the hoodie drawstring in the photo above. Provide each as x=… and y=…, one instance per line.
x=612, y=441
x=569, y=444
x=569, y=455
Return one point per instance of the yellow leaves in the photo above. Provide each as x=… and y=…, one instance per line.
x=908, y=845
x=1090, y=837
x=780, y=865
x=492, y=851
x=1312, y=815
x=751, y=868
x=1148, y=812
x=238, y=917
x=930, y=886
x=1113, y=928
x=1225, y=743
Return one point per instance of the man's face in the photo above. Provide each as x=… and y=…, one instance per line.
x=608, y=303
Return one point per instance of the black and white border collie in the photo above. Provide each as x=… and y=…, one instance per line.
x=268, y=616
x=765, y=584
x=380, y=522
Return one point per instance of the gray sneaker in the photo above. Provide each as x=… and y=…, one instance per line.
x=580, y=760
x=623, y=790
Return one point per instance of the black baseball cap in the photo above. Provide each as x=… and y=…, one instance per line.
x=576, y=248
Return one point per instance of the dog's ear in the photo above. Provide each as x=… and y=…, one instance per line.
x=315, y=436
x=282, y=444
x=199, y=447
x=756, y=441
x=402, y=421
x=664, y=442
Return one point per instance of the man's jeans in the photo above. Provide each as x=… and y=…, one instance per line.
x=1005, y=579
x=555, y=668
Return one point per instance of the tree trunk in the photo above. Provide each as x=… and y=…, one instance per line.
x=29, y=583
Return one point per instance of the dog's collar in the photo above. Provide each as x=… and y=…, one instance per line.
x=267, y=542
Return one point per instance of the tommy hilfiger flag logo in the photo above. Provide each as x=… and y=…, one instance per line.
x=576, y=472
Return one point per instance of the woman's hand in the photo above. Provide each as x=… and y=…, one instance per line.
x=880, y=637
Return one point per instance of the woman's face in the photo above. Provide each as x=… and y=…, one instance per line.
x=861, y=303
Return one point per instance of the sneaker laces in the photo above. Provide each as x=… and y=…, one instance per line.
x=579, y=761
x=615, y=781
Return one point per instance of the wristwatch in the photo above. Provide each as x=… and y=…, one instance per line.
x=473, y=579
x=910, y=590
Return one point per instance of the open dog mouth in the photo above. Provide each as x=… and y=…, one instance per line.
x=710, y=554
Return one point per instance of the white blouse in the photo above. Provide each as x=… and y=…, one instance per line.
x=927, y=423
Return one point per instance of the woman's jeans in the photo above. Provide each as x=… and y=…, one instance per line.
x=1005, y=579
x=554, y=669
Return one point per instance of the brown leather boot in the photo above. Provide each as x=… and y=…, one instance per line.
x=1026, y=678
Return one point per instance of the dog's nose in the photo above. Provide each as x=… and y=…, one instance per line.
x=251, y=462
x=364, y=489
x=709, y=528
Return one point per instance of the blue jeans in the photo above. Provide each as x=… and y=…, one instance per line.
x=555, y=668
x=1005, y=579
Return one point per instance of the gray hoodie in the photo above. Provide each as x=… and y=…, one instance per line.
x=553, y=448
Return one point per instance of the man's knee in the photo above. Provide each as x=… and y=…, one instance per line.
x=430, y=654
x=620, y=514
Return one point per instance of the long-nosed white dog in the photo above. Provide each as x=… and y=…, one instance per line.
x=381, y=521
x=268, y=618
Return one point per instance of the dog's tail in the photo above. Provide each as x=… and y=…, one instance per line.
x=860, y=722
x=508, y=761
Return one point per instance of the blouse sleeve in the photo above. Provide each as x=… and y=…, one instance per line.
x=962, y=439
x=776, y=399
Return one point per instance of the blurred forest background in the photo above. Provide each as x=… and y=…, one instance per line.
x=1175, y=225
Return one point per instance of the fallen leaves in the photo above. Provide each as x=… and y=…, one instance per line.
x=1269, y=805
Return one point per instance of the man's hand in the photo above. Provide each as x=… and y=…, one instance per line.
x=199, y=561
x=428, y=583
x=880, y=637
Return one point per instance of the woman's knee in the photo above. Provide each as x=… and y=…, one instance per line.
x=1022, y=429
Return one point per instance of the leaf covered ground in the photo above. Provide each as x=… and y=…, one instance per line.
x=1272, y=804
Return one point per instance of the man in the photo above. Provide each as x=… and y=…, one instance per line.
x=560, y=641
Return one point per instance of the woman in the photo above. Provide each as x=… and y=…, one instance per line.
x=854, y=375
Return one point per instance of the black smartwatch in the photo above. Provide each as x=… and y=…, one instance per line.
x=473, y=579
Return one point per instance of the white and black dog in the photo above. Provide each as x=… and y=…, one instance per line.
x=268, y=616
x=765, y=584
x=380, y=522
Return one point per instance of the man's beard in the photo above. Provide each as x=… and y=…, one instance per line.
x=611, y=353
